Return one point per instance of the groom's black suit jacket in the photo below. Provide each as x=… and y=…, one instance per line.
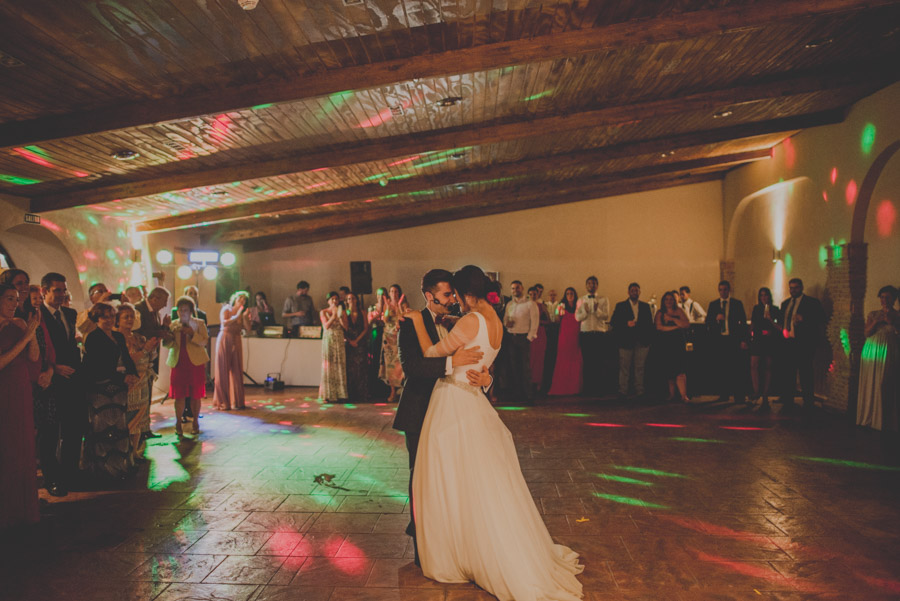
x=421, y=375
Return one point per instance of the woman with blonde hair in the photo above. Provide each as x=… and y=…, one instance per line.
x=233, y=318
x=188, y=359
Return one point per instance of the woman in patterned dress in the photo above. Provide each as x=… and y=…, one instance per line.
x=333, y=387
x=141, y=351
x=391, y=370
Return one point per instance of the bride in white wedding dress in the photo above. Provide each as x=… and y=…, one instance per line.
x=475, y=517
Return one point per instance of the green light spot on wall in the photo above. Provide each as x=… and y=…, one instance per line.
x=81, y=236
x=647, y=471
x=867, y=140
x=18, y=181
x=845, y=341
x=823, y=256
x=92, y=219
x=788, y=262
x=629, y=501
x=688, y=439
x=623, y=479
x=848, y=463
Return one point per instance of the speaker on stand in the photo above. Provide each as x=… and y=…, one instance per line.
x=361, y=279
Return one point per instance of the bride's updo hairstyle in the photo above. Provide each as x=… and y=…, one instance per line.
x=472, y=281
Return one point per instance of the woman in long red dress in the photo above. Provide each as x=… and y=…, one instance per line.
x=567, y=373
x=18, y=470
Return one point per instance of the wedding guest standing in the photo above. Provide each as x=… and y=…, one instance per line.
x=879, y=389
x=65, y=433
x=299, y=309
x=671, y=322
x=691, y=308
x=333, y=387
x=552, y=331
x=539, y=344
x=391, y=370
x=765, y=343
x=521, y=319
x=632, y=324
x=229, y=388
x=593, y=313
x=42, y=377
x=18, y=349
x=141, y=351
x=376, y=323
x=357, y=351
x=109, y=373
x=727, y=324
x=20, y=280
x=567, y=372
x=262, y=314
x=151, y=326
x=188, y=359
x=804, y=325
x=193, y=293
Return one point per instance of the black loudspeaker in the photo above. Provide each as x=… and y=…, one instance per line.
x=227, y=282
x=361, y=277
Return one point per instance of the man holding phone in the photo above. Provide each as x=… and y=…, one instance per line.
x=97, y=293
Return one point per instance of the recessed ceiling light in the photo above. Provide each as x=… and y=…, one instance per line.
x=819, y=43
x=666, y=154
x=396, y=111
x=458, y=155
x=460, y=186
x=125, y=154
x=723, y=114
x=449, y=101
x=10, y=61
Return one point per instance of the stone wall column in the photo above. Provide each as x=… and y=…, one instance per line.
x=845, y=293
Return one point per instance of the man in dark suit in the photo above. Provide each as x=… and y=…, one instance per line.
x=65, y=391
x=632, y=326
x=804, y=326
x=153, y=327
x=422, y=373
x=727, y=323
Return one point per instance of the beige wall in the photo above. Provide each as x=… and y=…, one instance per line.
x=788, y=193
x=661, y=239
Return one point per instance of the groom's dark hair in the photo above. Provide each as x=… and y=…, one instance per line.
x=434, y=277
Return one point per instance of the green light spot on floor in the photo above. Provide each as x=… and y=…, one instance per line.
x=623, y=479
x=165, y=466
x=577, y=414
x=688, y=439
x=647, y=471
x=629, y=501
x=511, y=408
x=848, y=463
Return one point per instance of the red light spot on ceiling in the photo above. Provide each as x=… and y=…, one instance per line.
x=851, y=192
x=885, y=217
x=665, y=425
x=90, y=255
x=833, y=175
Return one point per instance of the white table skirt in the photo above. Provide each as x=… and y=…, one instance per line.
x=298, y=360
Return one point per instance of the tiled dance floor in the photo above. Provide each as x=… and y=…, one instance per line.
x=663, y=502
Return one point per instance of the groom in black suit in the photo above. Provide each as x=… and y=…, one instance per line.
x=65, y=391
x=422, y=373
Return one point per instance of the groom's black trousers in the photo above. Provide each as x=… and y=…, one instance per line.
x=412, y=445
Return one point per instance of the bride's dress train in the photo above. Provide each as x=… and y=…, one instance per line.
x=475, y=517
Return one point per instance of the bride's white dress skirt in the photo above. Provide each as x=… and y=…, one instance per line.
x=475, y=517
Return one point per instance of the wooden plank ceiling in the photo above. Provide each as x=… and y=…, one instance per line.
x=307, y=120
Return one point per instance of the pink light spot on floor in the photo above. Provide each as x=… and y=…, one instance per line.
x=599, y=425
x=742, y=428
x=665, y=425
x=286, y=423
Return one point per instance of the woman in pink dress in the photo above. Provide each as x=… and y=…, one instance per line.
x=18, y=470
x=539, y=344
x=230, y=353
x=188, y=359
x=567, y=372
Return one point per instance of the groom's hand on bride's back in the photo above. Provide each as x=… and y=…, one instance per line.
x=467, y=356
x=481, y=379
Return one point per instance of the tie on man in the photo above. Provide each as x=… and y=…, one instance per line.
x=724, y=324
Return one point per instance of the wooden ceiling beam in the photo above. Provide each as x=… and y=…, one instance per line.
x=396, y=146
x=488, y=56
x=484, y=206
x=293, y=204
x=227, y=233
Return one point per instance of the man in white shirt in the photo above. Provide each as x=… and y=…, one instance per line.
x=592, y=311
x=521, y=319
x=691, y=308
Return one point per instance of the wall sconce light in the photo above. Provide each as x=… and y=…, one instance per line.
x=777, y=256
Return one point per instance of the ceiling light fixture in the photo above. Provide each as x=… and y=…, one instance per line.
x=666, y=154
x=458, y=155
x=449, y=101
x=10, y=61
x=723, y=114
x=125, y=154
x=248, y=4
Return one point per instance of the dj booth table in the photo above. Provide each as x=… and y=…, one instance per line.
x=298, y=360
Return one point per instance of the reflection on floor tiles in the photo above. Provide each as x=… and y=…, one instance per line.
x=299, y=500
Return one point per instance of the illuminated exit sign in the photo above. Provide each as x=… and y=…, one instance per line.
x=29, y=218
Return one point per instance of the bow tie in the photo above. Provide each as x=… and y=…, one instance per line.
x=590, y=296
x=439, y=320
